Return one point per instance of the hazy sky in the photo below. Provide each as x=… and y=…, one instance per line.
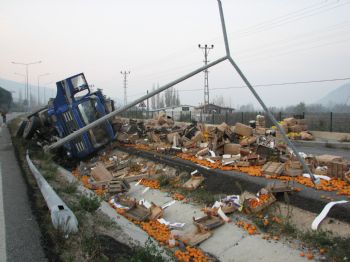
x=272, y=41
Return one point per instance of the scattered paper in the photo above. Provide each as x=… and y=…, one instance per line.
x=222, y=215
x=163, y=221
x=212, y=153
x=318, y=176
x=217, y=204
x=177, y=225
x=324, y=213
x=168, y=204
x=145, y=203
x=194, y=172
x=145, y=190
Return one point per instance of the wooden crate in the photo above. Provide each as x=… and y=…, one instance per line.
x=193, y=183
x=260, y=207
x=336, y=169
x=273, y=168
x=207, y=222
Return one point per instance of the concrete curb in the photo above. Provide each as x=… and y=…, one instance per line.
x=218, y=181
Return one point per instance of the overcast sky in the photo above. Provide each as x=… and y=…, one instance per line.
x=273, y=41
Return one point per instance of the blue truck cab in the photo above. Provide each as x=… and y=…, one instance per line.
x=74, y=107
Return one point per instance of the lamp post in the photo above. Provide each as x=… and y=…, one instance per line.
x=27, y=82
x=39, y=87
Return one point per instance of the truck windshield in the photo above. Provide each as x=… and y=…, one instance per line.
x=79, y=82
x=89, y=114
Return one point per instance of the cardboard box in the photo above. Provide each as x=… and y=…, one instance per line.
x=291, y=121
x=301, y=121
x=222, y=127
x=297, y=128
x=248, y=141
x=243, y=130
x=232, y=149
x=260, y=131
x=326, y=159
x=100, y=173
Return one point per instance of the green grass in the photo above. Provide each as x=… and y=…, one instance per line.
x=89, y=203
x=70, y=188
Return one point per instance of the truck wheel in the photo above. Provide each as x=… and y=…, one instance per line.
x=32, y=124
x=20, y=128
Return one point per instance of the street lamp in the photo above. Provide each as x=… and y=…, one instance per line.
x=27, y=84
x=39, y=87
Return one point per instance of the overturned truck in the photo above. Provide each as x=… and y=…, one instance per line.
x=74, y=107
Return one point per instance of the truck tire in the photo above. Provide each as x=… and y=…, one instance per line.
x=20, y=129
x=32, y=124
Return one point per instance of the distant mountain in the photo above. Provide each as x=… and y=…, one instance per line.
x=341, y=95
x=18, y=87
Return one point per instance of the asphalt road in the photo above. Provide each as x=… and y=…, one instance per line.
x=321, y=149
x=20, y=237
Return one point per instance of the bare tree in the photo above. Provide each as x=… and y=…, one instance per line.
x=153, y=99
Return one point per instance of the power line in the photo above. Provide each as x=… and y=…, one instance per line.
x=265, y=85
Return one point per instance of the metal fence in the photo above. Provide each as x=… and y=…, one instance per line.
x=332, y=122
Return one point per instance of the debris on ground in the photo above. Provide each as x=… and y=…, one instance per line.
x=253, y=149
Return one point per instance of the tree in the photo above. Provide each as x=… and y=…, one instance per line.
x=300, y=108
x=219, y=100
x=178, y=98
x=161, y=102
x=153, y=99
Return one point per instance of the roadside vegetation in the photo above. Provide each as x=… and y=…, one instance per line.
x=98, y=239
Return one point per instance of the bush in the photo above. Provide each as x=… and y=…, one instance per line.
x=89, y=203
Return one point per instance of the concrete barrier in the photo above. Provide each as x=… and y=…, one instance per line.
x=62, y=217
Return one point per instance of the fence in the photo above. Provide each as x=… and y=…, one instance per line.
x=329, y=121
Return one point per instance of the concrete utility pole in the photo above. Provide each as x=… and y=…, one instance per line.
x=125, y=76
x=39, y=87
x=27, y=81
x=206, y=49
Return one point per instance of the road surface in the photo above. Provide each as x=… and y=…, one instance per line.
x=20, y=237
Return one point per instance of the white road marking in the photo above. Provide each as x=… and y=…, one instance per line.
x=2, y=224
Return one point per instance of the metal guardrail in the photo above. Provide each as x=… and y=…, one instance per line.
x=63, y=219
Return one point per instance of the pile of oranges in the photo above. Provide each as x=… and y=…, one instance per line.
x=250, y=228
x=254, y=202
x=178, y=197
x=154, y=184
x=191, y=254
x=156, y=230
x=75, y=172
x=335, y=184
x=138, y=146
x=85, y=181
